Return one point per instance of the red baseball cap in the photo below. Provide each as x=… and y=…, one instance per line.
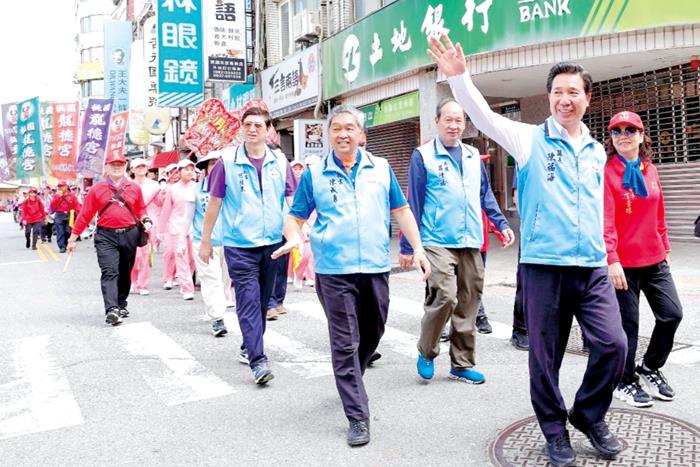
x=626, y=118
x=115, y=157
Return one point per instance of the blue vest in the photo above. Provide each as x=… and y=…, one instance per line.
x=560, y=197
x=351, y=233
x=253, y=217
x=200, y=208
x=452, y=210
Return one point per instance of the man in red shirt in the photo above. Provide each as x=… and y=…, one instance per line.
x=62, y=204
x=33, y=215
x=119, y=204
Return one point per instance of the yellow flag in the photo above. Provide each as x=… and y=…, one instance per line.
x=296, y=258
x=71, y=218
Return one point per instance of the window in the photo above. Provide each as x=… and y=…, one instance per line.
x=92, y=54
x=285, y=30
x=366, y=7
x=93, y=88
x=93, y=23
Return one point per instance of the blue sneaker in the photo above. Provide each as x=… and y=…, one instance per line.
x=262, y=373
x=468, y=376
x=426, y=368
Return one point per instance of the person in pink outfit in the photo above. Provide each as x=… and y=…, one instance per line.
x=142, y=270
x=172, y=173
x=175, y=224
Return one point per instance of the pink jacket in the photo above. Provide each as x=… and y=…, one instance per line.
x=178, y=210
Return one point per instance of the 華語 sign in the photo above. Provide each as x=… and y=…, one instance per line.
x=150, y=55
x=292, y=84
x=180, y=70
x=65, y=140
x=117, y=58
x=394, y=39
x=225, y=47
x=93, y=140
x=29, y=152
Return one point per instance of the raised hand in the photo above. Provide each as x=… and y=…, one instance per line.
x=449, y=59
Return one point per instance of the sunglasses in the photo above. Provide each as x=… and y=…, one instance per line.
x=628, y=131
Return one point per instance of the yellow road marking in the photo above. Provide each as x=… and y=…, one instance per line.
x=50, y=251
x=41, y=254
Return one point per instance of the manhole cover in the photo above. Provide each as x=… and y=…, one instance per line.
x=575, y=344
x=649, y=439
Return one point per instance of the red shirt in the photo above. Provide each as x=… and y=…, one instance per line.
x=33, y=211
x=115, y=216
x=64, y=203
x=635, y=228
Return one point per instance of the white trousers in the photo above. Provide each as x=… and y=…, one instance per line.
x=215, y=282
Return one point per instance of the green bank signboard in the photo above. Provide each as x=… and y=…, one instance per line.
x=394, y=39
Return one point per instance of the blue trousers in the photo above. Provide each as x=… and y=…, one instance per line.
x=552, y=296
x=279, y=290
x=252, y=272
x=62, y=229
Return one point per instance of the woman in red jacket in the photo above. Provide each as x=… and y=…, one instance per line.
x=636, y=238
x=33, y=215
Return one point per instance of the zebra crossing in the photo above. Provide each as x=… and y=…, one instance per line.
x=36, y=393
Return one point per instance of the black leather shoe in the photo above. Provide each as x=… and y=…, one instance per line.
x=599, y=435
x=358, y=433
x=561, y=454
x=520, y=341
x=375, y=356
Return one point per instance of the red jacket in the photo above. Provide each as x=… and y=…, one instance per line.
x=33, y=211
x=635, y=228
x=64, y=203
x=115, y=216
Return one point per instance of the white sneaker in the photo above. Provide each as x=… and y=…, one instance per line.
x=168, y=285
x=144, y=292
x=289, y=280
x=231, y=304
x=308, y=282
x=188, y=296
x=297, y=284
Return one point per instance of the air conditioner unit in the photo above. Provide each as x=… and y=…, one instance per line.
x=306, y=26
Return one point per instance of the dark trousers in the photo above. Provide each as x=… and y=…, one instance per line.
x=482, y=311
x=116, y=253
x=279, y=290
x=552, y=296
x=32, y=230
x=519, y=322
x=47, y=231
x=658, y=287
x=356, y=307
x=252, y=272
x=62, y=229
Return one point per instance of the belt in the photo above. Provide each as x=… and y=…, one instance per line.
x=118, y=230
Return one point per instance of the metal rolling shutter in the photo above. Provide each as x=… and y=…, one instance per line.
x=681, y=188
x=395, y=142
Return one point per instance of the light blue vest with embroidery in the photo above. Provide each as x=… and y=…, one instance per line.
x=200, y=208
x=560, y=198
x=253, y=217
x=351, y=233
x=452, y=210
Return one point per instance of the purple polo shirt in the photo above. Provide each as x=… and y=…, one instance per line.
x=217, y=178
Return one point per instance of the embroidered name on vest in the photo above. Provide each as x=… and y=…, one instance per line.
x=443, y=168
x=553, y=157
x=242, y=178
x=334, y=183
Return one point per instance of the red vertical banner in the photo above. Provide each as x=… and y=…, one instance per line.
x=117, y=135
x=65, y=140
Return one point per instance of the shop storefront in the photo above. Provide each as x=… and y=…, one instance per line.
x=291, y=91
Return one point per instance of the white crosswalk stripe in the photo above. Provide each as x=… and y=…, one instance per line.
x=174, y=374
x=38, y=397
x=299, y=358
x=689, y=356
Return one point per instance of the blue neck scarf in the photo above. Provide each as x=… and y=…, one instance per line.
x=633, y=178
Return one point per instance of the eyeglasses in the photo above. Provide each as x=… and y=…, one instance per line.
x=629, y=132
